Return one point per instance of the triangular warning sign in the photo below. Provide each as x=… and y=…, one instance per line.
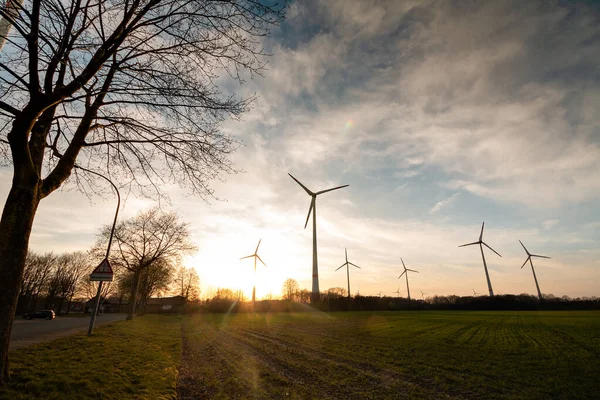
x=103, y=268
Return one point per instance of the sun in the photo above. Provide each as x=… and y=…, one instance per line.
x=219, y=266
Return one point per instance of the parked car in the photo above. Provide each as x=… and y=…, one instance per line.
x=47, y=314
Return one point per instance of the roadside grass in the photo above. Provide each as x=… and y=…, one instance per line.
x=426, y=355
x=124, y=360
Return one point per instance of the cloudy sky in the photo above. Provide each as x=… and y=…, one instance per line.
x=439, y=115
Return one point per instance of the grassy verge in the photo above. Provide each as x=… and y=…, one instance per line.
x=125, y=360
x=399, y=355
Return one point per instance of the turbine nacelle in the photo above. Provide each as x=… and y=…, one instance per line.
x=313, y=195
x=481, y=242
x=529, y=255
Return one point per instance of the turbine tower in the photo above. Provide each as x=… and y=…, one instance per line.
x=347, y=265
x=406, y=270
x=256, y=256
x=529, y=255
x=315, y=296
x=11, y=9
x=481, y=243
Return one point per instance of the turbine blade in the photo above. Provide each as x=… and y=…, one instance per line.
x=343, y=265
x=312, y=204
x=346, y=251
x=524, y=248
x=403, y=263
x=468, y=244
x=303, y=187
x=329, y=190
x=525, y=262
x=256, y=251
x=481, y=234
x=490, y=248
x=355, y=265
x=535, y=255
x=261, y=260
x=412, y=270
x=247, y=257
x=402, y=274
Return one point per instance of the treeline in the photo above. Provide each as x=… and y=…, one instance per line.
x=147, y=251
x=333, y=301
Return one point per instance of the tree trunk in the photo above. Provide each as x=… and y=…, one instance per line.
x=133, y=297
x=15, y=228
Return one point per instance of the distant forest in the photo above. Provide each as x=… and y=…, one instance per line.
x=329, y=302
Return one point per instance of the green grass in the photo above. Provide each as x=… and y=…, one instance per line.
x=125, y=360
x=431, y=355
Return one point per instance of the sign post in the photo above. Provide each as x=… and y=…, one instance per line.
x=103, y=272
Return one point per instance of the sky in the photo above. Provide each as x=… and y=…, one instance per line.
x=439, y=115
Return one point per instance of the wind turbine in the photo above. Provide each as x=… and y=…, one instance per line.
x=398, y=292
x=11, y=9
x=379, y=293
x=406, y=270
x=347, y=265
x=313, y=207
x=481, y=243
x=256, y=256
x=475, y=293
x=529, y=255
x=422, y=294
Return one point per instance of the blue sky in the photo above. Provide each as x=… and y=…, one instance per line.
x=439, y=115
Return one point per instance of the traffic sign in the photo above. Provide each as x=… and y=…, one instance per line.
x=103, y=272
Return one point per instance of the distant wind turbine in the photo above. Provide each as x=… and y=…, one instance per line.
x=398, y=292
x=422, y=294
x=256, y=256
x=481, y=243
x=347, y=265
x=379, y=293
x=313, y=207
x=529, y=255
x=406, y=270
x=475, y=293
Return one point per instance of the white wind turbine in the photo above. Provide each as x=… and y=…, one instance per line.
x=256, y=256
x=313, y=208
x=422, y=294
x=481, y=243
x=347, y=265
x=529, y=255
x=475, y=293
x=406, y=270
x=398, y=292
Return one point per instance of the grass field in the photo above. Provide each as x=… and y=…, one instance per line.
x=125, y=360
x=432, y=355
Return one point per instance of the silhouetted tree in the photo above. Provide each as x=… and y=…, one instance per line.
x=187, y=283
x=150, y=237
x=126, y=88
x=290, y=289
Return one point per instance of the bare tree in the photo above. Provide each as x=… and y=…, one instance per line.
x=149, y=238
x=155, y=280
x=70, y=267
x=124, y=88
x=187, y=283
x=290, y=289
x=38, y=269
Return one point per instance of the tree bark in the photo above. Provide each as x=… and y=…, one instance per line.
x=15, y=229
x=133, y=297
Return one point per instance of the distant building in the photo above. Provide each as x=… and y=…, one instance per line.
x=165, y=305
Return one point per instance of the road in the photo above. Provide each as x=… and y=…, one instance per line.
x=25, y=333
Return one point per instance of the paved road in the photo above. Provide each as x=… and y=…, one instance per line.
x=25, y=333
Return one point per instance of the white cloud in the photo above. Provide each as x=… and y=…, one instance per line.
x=550, y=223
x=443, y=203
